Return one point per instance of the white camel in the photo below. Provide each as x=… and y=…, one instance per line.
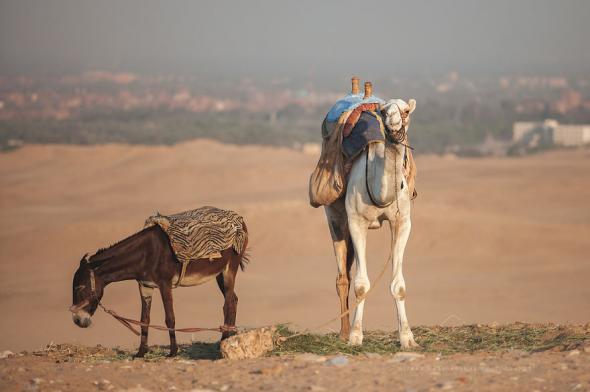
x=352, y=215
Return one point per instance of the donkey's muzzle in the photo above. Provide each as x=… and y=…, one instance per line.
x=82, y=319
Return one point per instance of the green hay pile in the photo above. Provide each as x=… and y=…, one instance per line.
x=446, y=340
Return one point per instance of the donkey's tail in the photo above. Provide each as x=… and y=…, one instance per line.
x=245, y=254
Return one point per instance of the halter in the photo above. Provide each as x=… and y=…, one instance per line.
x=92, y=284
x=93, y=294
x=399, y=136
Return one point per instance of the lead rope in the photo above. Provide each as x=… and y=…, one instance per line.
x=226, y=328
x=127, y=322
x=362, y=297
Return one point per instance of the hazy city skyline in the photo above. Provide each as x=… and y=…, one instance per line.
x=301, y=39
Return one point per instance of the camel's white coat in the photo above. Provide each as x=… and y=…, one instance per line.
x=349, y=219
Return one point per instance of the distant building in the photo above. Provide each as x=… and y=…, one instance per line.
x=550, y=132
x=571, y=135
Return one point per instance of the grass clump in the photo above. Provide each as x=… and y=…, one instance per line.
x=445, y=340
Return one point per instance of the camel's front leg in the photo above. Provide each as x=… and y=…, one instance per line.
x=336, y=215
x=166, y=291
x=400, y=231
x=146, y=303
x=358, y=227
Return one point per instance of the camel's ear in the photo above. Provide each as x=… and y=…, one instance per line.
x=84, y=259
x=412, y=104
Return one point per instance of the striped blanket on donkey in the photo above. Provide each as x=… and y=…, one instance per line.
x=201, y=233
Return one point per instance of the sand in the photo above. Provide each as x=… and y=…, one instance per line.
x=493, y=240
x=508, y=371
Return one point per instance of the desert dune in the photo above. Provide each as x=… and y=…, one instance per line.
x=493, y=239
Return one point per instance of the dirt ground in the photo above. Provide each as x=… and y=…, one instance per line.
x=511, y=370
x=494, y=240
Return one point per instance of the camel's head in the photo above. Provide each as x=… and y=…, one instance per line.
x=396, y=113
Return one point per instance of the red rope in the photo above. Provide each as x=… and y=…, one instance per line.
x=127, y=323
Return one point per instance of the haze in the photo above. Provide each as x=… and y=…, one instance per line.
x=307, y=39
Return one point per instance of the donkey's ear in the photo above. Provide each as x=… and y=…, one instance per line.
x=84, y=259
x=412, y=104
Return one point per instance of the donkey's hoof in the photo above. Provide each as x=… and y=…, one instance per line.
x=227, y=335
x=355, y=339
x=173, y=352
x=140, y=354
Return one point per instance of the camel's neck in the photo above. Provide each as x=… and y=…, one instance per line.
x=396, y=153
x=379, y=173
x=393, y=175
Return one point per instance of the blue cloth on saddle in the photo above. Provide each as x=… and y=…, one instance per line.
x=347, y=103
x=368, y=129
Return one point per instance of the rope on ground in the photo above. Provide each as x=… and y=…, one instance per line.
x=226, y=328
x=127, y=322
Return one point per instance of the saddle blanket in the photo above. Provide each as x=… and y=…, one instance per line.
x=202, y=233
x=349, y=103
x=368, y=129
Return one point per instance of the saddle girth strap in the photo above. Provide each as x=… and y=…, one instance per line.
x=182, y=273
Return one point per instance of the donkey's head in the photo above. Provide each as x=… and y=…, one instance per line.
x=396, y=113
x=87, y=292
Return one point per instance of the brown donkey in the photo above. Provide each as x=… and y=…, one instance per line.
x=147, y=257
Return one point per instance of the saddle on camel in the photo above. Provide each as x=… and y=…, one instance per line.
x=353, y=123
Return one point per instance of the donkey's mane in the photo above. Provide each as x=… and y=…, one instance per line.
x=105, y=249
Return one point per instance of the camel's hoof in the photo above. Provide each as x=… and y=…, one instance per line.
x=355, y=339
x=408, y=342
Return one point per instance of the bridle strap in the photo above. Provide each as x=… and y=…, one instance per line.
x=93, y=294
x=92, y=284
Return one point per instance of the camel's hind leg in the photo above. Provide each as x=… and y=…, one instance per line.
x=344, y=252
x=400, y=231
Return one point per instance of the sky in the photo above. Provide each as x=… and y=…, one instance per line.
x=294, y=38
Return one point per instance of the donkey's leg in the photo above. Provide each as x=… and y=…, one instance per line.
x=166, y=292
x=358, y=227
x=146, y=304
x=344, y=252
x=400, y=231
x=226, y=281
